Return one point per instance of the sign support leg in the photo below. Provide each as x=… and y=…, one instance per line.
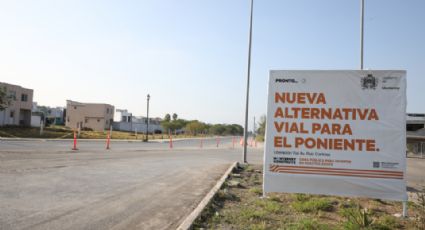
x=404, y=209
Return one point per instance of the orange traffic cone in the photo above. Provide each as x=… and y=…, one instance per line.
x=75, y=141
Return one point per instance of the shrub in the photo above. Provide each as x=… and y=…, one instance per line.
x=357, y=218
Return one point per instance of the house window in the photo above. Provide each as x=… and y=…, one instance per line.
x=12, y=95
x=86, y=120
x=24, y=97
x=107, y=110
x=98, y=120
x=67, y=119
x=12, y=114
x=75, y=107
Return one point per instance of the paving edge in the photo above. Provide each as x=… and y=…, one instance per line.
x=188, y=221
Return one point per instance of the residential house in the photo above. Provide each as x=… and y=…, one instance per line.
x=52, y=115
x=19, y=110
x=95, y=116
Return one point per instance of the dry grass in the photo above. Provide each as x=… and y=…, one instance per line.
x=61, y=132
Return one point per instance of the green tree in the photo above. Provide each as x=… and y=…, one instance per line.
x=195, y=127
x=4, y=99
x=166, y=125
x=175, y=116
x=167, y=117
x=238, y=129
x=173, y=125
x=179, y=123
x=261, y=131
x=233, y=129
x=217, y=129
x=224, y=129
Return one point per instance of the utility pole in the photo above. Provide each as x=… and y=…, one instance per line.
x=361, y=32
x=245, y=135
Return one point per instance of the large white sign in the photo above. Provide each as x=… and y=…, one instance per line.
x=337, y=133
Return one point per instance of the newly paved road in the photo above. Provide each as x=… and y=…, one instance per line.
x=135, y=185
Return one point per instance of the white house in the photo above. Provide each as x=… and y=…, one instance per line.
x=125, y=121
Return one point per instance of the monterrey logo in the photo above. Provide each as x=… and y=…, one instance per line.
x=369, y=82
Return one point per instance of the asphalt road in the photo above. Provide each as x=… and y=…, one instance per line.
x=135, y=185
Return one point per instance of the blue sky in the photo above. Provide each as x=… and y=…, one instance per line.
x=191, y=55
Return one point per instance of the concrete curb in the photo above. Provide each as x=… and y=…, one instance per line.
x=188, y=221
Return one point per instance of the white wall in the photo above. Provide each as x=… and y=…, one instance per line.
x=5, y=118
x=141, y=127
x=35, y=121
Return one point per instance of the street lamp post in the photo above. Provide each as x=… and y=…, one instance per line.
x=361, y=32
x=131, y=122
x=245, y=136
x=147, y=119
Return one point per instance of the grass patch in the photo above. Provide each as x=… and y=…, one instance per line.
x=357, y=218
x=242, y=207
x=387, y=223
x=249, y=168
x=269, y=206
x=249, y=214
x=308, y=224
x=313, y=204
x=256, y=190
x=301, y=197
x=259, y=226
x=33, y=132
